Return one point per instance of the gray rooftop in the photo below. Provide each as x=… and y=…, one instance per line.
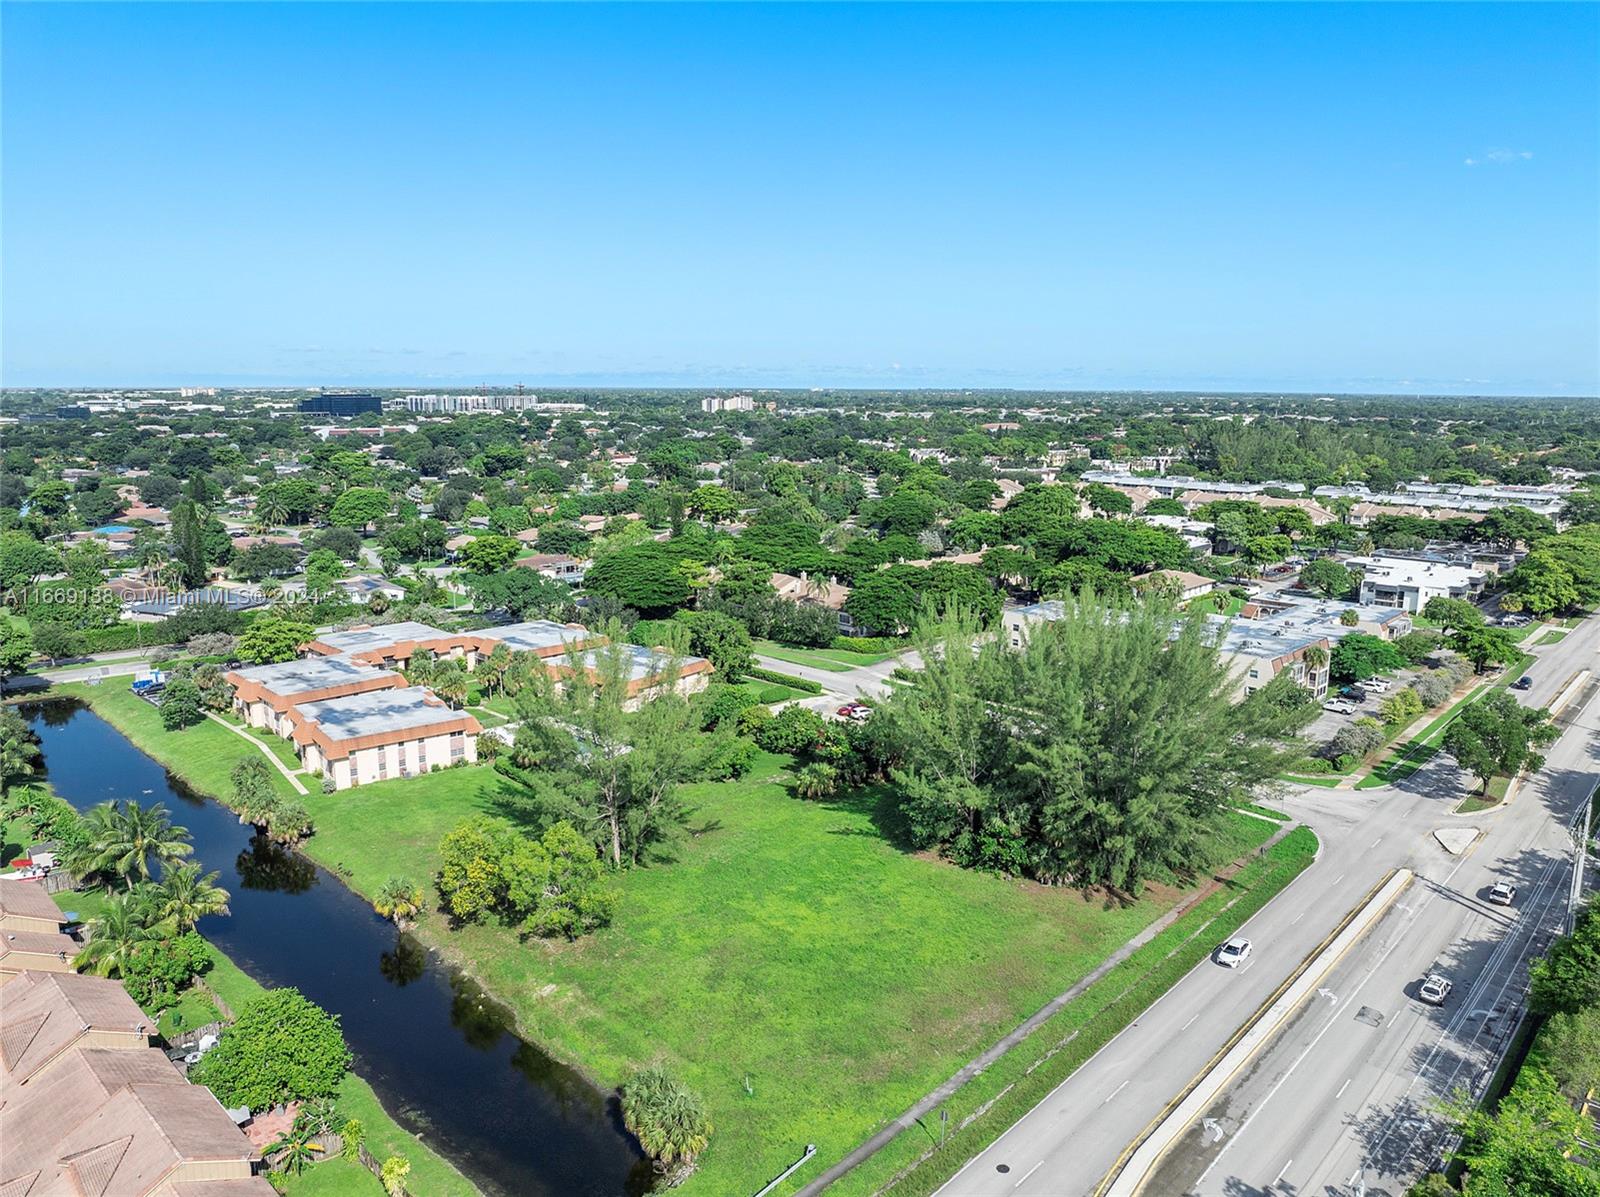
x=536, y=635
x=642, y=662
x=376, y=713
x=315, y=673
x=384, y=636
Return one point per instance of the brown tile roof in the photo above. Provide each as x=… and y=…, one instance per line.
x=46, y=1013
x=27, y=899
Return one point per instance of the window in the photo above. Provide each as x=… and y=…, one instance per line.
x=458, y=746
x=383, y=763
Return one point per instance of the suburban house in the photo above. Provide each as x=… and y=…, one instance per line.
x=88, y=1107
x=359, y=588
x=381, y=734
x=266, y=695
x=1407, y=583
x=807, y=589
x=1194, y=533
x=558, y=566
x=1182, y=584
x=31, y=935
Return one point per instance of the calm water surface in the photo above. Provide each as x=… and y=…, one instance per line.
x=436, y=1048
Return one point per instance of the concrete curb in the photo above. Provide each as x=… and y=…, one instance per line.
x=1130, y=1173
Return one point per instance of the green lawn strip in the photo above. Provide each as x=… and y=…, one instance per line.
x=202, y=755
x=1265, y=811
x=1475, y=801
x=790, y=945
x=771, y=692
x=1326, y=782
x=1554, y=636
x=800, y=656
x=1023, y=1077
x=1418, y=750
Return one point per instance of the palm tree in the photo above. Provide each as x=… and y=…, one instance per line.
x=398, y=900
x=666, y=1118
x=816, y=780
x=185, y=896
x=270, y=510
x=128, y=922
x=18, y=753
x=128, y=837
x=298, y=1145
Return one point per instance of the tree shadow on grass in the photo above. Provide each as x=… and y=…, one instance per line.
x=877, y=803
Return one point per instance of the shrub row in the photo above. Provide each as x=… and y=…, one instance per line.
x=784, y=679
x=867, y=644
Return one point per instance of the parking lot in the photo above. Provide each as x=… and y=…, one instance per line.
x=1322, y=728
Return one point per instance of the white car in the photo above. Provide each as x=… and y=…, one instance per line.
x=1435, y=990
x=1502, y=893
x=1234, y=953
x=1381, y=685
x=1339, y=706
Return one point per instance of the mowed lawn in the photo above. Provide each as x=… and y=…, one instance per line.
x=803, y=971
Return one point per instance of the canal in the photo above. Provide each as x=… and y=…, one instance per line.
x=440, y=1052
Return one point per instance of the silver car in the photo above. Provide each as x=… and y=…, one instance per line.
x=1435, y=990
x=1234, y=953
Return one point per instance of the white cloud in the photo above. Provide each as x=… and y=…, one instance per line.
x=1499, y=157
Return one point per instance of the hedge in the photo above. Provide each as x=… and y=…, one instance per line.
x=867, y=644
x=784, y=679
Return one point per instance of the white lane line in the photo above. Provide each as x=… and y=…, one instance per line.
x=1376, y=842
x=1298, y=917
x=1282, y=1170
x=1115, y=1091
x=1028, y=1173
x=1342, y=1088
x=1190, y=1023
x=1338, y=879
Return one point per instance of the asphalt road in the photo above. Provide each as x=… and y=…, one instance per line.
x=1066, y=1144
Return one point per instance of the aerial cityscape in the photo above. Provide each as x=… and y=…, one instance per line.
x=769, y=600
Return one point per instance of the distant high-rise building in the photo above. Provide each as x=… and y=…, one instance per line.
x=727, y=403
x=342, y=403
x=483, y=402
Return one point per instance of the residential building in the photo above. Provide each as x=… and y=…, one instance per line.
x=1020, y=621
x=647, y=670
x=391, y=645
x=168, y=605
x=557, y=566
x=807, y=589
x=480, y=402
x=1183, y=584
x=1255, y=653
x=265, y=696
x=541, y=637
x=89, y=1108
x=1395, y=580
x=31, y=935
x=716, y=403
x=381, y=734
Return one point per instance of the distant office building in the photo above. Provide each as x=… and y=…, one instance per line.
x=71, y=411
x=727, y=403
x=482, y=402
x=196, y=392
x=342, y=403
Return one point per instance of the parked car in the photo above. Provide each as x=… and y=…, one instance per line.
x=1381, y=685
x=1235, y=952
x=1339, y=706
x=1502, y=893
x=1353, y=693
x=854, y=710
x=1435, y=990
x=1522, y=683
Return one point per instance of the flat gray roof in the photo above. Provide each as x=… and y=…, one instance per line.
x=642, y=662
x=378, y=712
x=314, y=673
x=383, y=636
x=535, y=635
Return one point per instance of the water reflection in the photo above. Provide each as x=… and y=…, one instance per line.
x=443, y=1056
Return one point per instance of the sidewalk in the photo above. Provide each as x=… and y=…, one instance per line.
x=265, y=751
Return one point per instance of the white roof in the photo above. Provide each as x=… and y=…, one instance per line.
x=378, y=712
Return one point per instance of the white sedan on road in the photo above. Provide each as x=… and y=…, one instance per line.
x=1234, y=953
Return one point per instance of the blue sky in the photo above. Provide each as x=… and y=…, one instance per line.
x=1352, y=197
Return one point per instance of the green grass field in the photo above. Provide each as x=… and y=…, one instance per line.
x=792, y=946
x=796, y=965
x=834, y=660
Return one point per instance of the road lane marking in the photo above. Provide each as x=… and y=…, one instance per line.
x=1342, y=1088
x=1281, y=1171
x=1298, y=917
x=1190, y=1023
x=1338, y=879
x=1115, y=1091
x=1028, y=1173
x=1376, y=842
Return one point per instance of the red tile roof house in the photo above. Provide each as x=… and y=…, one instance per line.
x=266, y=695
x=89, y=1109
x=30, y=930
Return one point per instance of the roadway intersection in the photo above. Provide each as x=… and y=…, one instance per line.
x=1344, y=1094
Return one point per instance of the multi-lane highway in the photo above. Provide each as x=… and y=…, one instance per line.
x=1344, y=1094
